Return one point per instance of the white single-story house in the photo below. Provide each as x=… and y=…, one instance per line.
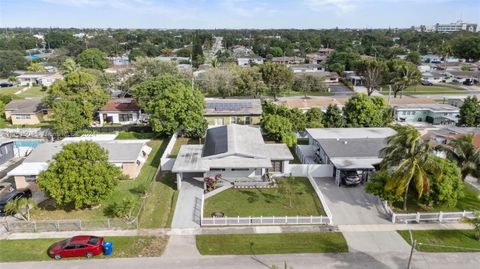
x=120, y=111
x=38, y=78
x=430, y=113
x=235, y=152
x=346, y=149
x=247, y=61
x=128, y=155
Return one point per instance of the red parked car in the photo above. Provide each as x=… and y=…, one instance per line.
x=77, y=246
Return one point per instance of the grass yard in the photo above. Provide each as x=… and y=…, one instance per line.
x=470, y=201
x=135, y=135
x=34, y=92
x=267, y=202
x=443, y=240
x=123, y=247
x=252, y=244
x=295, y=93
x=124, y=189
x=10, y=90
x=183, y=141
x=159, y=207
x=434, y=89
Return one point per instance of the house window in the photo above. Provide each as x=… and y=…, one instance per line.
x=233, y=119
x=217, y=169
x=240, y=169
x=23, y=117
x=45, y=112
x=30, y=178
x=125, y=117
x=248, y=120
x=277, y=166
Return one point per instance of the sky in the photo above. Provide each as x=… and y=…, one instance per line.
x=201, y=14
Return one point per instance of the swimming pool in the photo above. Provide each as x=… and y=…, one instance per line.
x=28, y=143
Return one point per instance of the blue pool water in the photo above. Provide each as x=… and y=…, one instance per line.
x=28, y=143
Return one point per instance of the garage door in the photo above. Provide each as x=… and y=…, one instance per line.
x=192, y=175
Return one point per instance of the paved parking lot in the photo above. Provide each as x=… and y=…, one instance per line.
x=351, y=205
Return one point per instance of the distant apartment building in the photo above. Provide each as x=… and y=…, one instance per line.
x=449, y=28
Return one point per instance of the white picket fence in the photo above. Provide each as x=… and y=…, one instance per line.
x=69, y=225
x=432, y=217
x=273, y=220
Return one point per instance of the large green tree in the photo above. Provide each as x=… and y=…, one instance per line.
x=373, y=72
x=402, y=74
x=172, y=105
x=410, y=158
x=11, y=60
x=333, y=117
x=92, y=58
x=469, y=112
x=309, y=83
x=314, y=118
x=276, y=126
x=67, y=117
x=248, y=82
x=467, y=47
x=217, y=82
x=277, y=77
x=79, y=175
x=365, y=111
x=464, y=152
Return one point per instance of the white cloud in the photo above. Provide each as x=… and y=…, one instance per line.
x=341, y=6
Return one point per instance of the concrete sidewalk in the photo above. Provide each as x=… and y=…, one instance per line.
x=244, y=230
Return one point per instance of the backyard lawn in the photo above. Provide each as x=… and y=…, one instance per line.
x=124, y=189
x=470, y=201
x=183, y=141
x=134, y=135
x=434, y=89
x=252, y=244
x=267, y=202
x=444, y=240
x=123, y=247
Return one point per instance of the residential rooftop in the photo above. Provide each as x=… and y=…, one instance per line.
x=350, y=133
x=26, y=106
x=120, y=104
x=217, y=106
x=430, y=107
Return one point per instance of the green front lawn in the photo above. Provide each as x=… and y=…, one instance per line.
x=470, y=202
x=444, y=240
x=125, y=188
x=252, y=244
x=123, y=247
x=34, y=92
x=183, y=141
x=267, y=202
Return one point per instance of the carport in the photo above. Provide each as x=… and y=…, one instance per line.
x=363, y=165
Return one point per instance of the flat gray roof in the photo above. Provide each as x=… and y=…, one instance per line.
x=247, y=107
x=431, y=107
x=354, y=148
x=350, y=133
x=27, y=106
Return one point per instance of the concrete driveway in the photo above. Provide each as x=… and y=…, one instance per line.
x=187, y=210
x=351, y=205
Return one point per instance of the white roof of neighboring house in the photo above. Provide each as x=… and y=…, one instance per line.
x=431, y=107
x=350, y=133
x=28, y=169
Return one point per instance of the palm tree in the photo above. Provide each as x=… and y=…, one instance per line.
x=69, y=66
x=21, y=206
x=409, y=157
x=463, y=151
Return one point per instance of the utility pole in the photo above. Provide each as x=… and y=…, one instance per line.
x=414, y=244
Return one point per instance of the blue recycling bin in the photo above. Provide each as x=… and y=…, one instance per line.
x=107, y=248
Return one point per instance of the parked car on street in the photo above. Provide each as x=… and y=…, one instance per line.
x=351, y=178
x=77, y=246
x=6, y=84
x=469, y=82
x=426, y=83
x=13, y=195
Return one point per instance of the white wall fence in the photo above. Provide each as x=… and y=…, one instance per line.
x=167, y=163
x=273, y=220
x=427, y=217
x=322, y=198
x=315, y=170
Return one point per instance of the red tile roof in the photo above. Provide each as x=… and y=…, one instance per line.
x=121, y=104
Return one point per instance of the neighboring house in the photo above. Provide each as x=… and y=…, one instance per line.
x=26, y=112
x=7, y=150
x=347, y=149
x=228, y=111
x=430, y=113
x=433, y=77
x=237, y=153
x=305, y=68
x=173, y=59
x=445, y=135
x=120, y=111
x=247, y=61
x=329, y=77
x=456, y=102
x=128, y=155
x=320, y=102
x=288, y=60
x=38, y=78
x=462, y=76
x=355, y=79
